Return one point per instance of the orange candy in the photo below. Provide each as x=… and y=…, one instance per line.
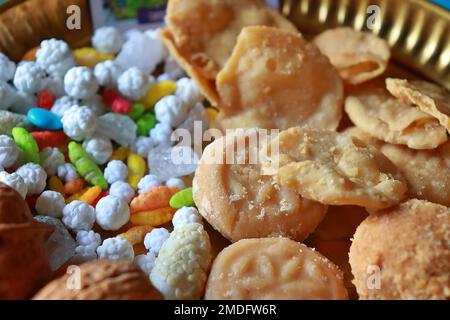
x=153, y=218
x=155, y=198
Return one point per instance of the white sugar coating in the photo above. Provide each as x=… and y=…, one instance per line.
x=60, y=246
x=138, y=51
x=99, y=148
x=54, y=83
x=7, y=95
x=50, y=203
x=87, y=244
x=78, y=215
x=143, y=145
x=67, y=172
x=112, y=213
x=195, y=119
x=62, y=104
x=122, y=190
x=115, y=170
x=133, y=83
x=175, y=182
x=148, y=182
x=23, y=102
x=159, y=50
x=79, y=123
x=188, y=91
x=174, y=162
x=117, y=127
x=80, y=83
x=171, y=110
x=172, y=70
x=95, y=104
x=29, y=77
x=116, y=249
x=8, y=151
x=186, y=215
x=14, y=181
x=107, y=39
x=108, y=73
x=161, y=134
x=7, y=68
x=154, y=240
x=146, y=262
x=34, y=177
x=51, y=159
x=55, y=57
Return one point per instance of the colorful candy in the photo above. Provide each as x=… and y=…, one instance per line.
x=102, y=195
x=45, y=100
x=89, y=57
x=145, y=124
x=153, y=218
x=116, y=102
x=136, y=234
x=182, y=199
x=137, y=111
x=91, y=194
x=211, y=113
x=155, y=198
x=157, y=91
x=55, y=184
x=120, y=154
x=136, y=169
x=74, y=186
x=46, y=139
x=44, y=119
x=87, y=168
x=25, y=141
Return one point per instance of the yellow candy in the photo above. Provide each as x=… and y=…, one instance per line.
x=137, y=234
x=211, y=113
x=89, y=57
x=55, y=184
x=153, y=218
x=120, y=153
x=75, y=196
x=136, y=169
x=157, y=91
x=91, y=194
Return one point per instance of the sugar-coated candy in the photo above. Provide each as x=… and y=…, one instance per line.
x=118, y=128
x=158, y=91
x=136, y=169
x=137, y=110
x=29, y=77
x=7, y=68
x=14, y=181
x=90, y=195
x=155, y=198
x=154, y=240
x=186, y=215
x=74, y=186
x=107, y=73
x=120, y=154
x=50, y=203
x=122, y=190
x=146, y=262
x=116, y=170
x=10, y=120
x=159, y=51
x=80, y=83
x=45, y=100
x=62, y=104
x=173, y=162
x=145, y=124
x=45, y=139
x=8, y=151
x=133, y=83
x=34, y=177
x=26, y=143
x=171, y=110
x=112, y=213
x=161, y=134
x=175, y=182
x=44, y=119
x=155, y=218
x=143, y=145
x=55, y=184
x=115, y=102
x=67, y=172
x=136, y=234
x=148, y=182
x=182, y=199
x=79, y=123
x=55, y=57
x=7, y=96
x=87, y=244
x=99, y=148
x=107, y=39
x=85, y=166
x=116, y=248
x=188, y=92
x=51, y=159
x=89, y=57
x=78, y=215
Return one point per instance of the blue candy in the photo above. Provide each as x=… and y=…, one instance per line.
x=44, y=119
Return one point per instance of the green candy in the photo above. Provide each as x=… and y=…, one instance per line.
x=87, y=168
x=182, y=199
x=145, y=124
x=26, y=143
x=137, y=111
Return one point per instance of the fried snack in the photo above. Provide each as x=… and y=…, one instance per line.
x=429, y=97
x=201, y=34
x=241, y=203
x=364, y=136
x=358, y=56
x=394, y=121
x=275, y=79
x=340, y=223
x=427, y=171
x=334, y=168
x=274, y=269
x=410, y=245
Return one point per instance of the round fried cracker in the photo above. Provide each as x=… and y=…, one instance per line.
x=241, y=203
x=394, y=121
x=275, y=79
x=275, y=269
x=358, y=56
x=202, y=33
x=430, y=98
x=403, y=253
x=334, y=168
x=427, y=171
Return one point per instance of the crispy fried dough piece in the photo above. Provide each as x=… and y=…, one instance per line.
x=241, y=203
x=273, y=268
x=275, y=79
x=430, y=98
x=364, y=136
x=334, y=168
x=427, y=171
x=394, y=121
x=202, y=33
x=410, y=245
x=358, y=56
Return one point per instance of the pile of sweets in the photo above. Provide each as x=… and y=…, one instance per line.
x=84, y=138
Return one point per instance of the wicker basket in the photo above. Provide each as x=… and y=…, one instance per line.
x=25, y=23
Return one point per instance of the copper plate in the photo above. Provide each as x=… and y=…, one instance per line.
x=417, y=30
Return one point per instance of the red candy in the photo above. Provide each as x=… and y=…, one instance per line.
x=46, y=100
x=117, y=104
x=46, y=139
